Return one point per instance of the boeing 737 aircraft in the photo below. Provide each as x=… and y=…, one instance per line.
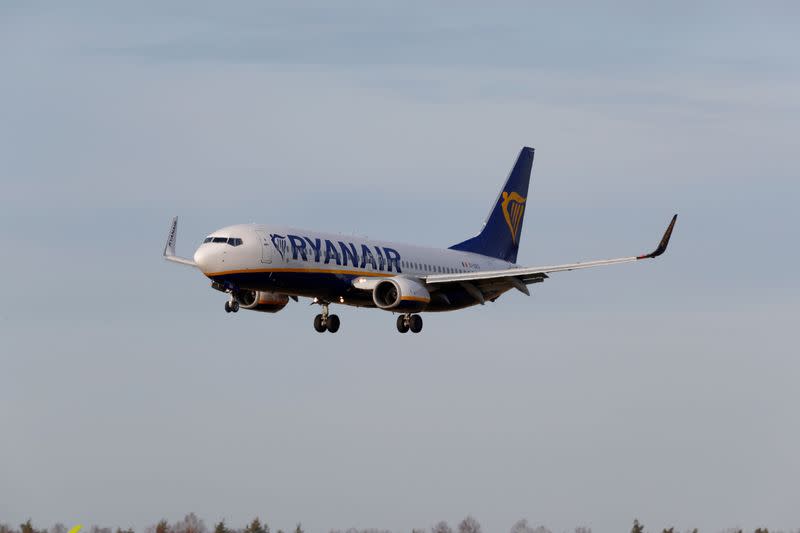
x=262, y=267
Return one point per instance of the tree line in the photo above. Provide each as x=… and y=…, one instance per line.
x=192, y=524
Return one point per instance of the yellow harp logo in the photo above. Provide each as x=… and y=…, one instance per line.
x=513, y=209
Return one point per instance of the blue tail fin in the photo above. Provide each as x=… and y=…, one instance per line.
x=501, y=232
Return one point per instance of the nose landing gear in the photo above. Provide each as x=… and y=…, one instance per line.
x=406, y=323
x=232, y=306
x=325, y=321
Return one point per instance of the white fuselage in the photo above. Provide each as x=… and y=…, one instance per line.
x=323, y=265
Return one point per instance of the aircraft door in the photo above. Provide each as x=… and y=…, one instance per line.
x=267, y=250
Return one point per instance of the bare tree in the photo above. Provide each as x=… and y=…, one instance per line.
x=27, y=527
x=354, y=530
x=637, y=527
x=256, y=527
x=161, y=527
x=5, y=528
x=469, y=525
x=583, y=529
x=58, y=528
x=521, y=526
x=441, y=527
x=417, y=530
x=190, y=524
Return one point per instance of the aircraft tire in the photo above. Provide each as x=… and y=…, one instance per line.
x=319, y=324
x=402, y=326
x=333, y=323
x=227, y=307
x=415, y=323
x=235, y=306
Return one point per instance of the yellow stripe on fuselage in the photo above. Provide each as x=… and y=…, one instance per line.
x=302, y=271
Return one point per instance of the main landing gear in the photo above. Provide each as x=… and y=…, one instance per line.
x=409, y=322
x=325, y=321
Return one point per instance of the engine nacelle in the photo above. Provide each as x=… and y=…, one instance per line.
x=401, y=294
x=266, y=302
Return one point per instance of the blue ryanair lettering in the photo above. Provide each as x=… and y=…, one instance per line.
x=381, y=260
x=316, y=245
x=392, y=258
x=349, y=252
x=366, y=256
x=298, y=247
x=331, y=252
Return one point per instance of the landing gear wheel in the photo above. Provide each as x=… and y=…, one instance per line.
x=319, y=324
x=415, y=323
x=333, y=323
x=234, y=305
x=402, y=324
x=227, y=307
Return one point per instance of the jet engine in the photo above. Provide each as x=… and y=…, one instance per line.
x=401, y=294
x=266, y=302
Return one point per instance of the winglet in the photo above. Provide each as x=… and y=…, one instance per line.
x=169, y=248
x=662, y=246
x=172, y=236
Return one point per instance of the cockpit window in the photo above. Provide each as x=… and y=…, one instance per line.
x=233, y=241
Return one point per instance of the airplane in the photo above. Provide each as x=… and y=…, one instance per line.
x=262, y=267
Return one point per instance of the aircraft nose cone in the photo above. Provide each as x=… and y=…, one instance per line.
x=202, y=258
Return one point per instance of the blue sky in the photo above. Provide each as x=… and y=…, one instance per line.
x=664, y=391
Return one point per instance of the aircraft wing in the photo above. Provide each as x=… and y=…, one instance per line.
x=519, y=278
